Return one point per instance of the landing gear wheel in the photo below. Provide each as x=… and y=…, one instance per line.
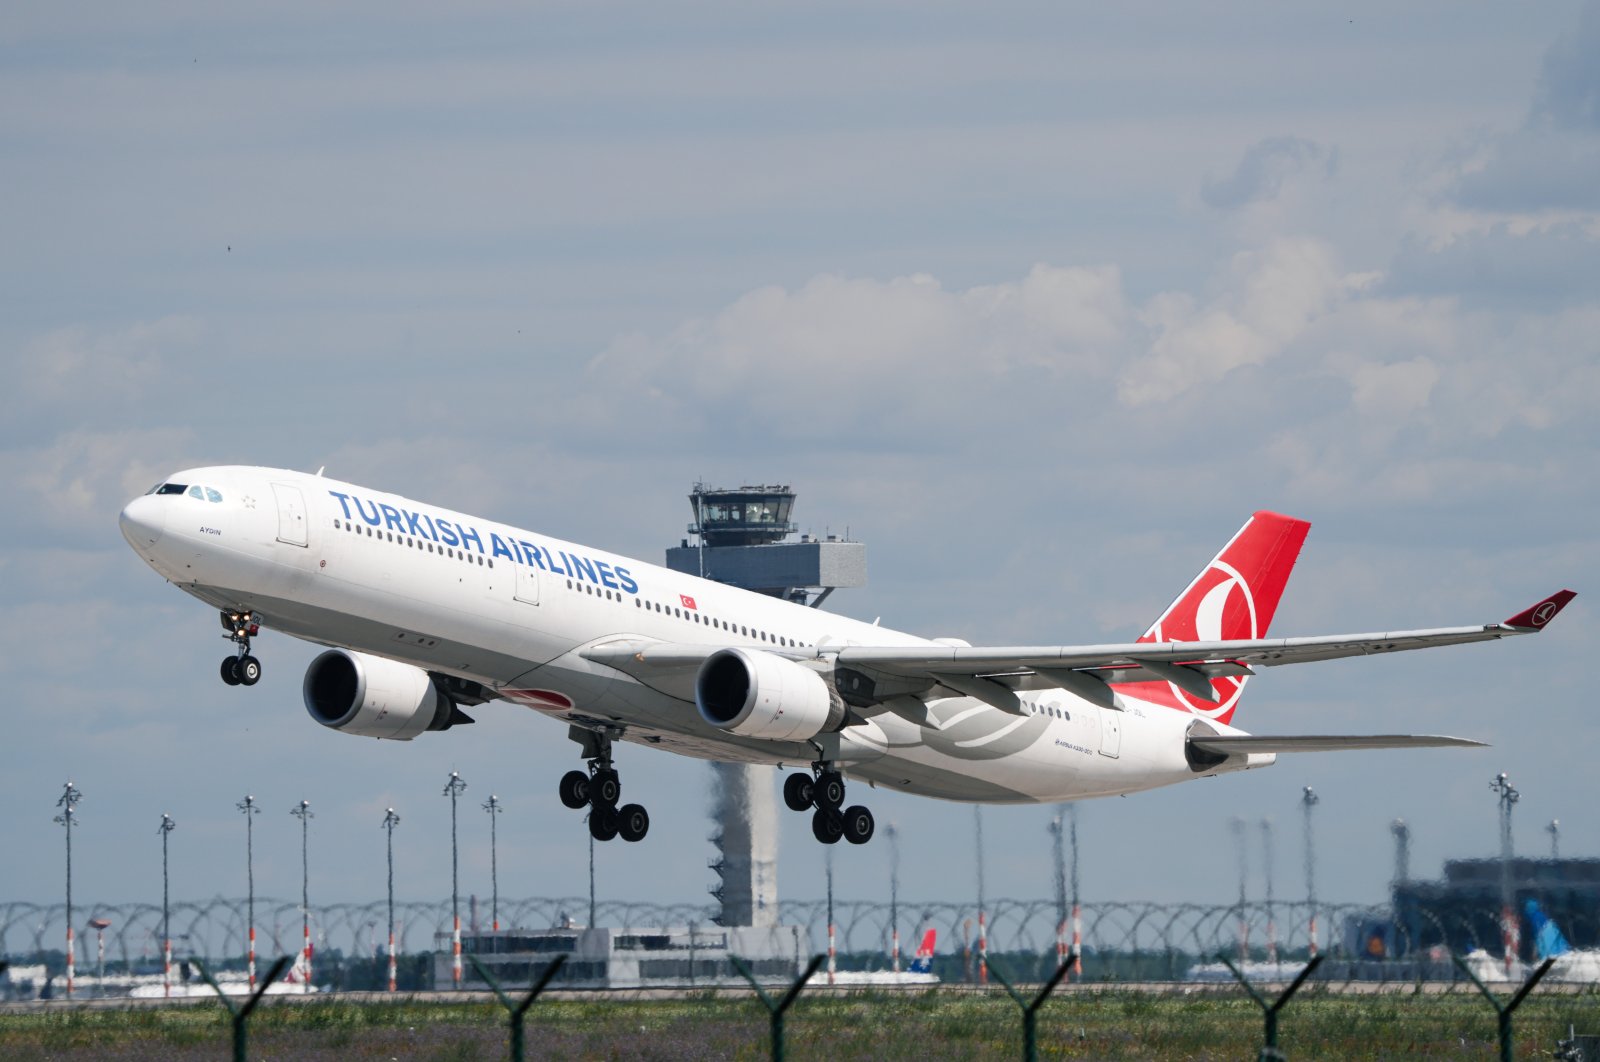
x=575, y=790
x=605, y=789
x=830, y=790
x=230, y=670
x=858, y=824
x=799, y=791
x=249, y=670
x=633, y=822
x=827, y=826
x=603, y=823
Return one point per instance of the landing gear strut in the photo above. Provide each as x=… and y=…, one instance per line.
x=823, y=796
x=241, y=669
x=599, y=789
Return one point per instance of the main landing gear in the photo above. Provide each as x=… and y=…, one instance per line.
x=825, y=794
x=241, y=669
x=598, y=789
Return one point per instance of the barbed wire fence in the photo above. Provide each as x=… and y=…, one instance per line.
x=1122, y=941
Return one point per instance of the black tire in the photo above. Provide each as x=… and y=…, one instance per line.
x=230, y=670
x=830, y=790
x=575, y=790
x=799, y=791
x=603, y=823
x=858, y=824
x=633, y=822
x=827, y=826
x=249, y=670
x=605, y=789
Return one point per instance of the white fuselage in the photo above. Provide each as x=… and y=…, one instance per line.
x=344, y=566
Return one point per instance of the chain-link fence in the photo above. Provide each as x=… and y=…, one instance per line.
x=1120, y=941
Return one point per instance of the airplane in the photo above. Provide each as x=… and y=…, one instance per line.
x=918, y=972
x=427, y=612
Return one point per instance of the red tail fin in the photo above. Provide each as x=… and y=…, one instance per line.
x=926, y=950
x=1235, y=596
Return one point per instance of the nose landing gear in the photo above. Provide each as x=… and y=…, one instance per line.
x=241, y=669
x=599, y=789
x=823, y=796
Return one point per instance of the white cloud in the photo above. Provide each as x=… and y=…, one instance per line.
x=1269, y=298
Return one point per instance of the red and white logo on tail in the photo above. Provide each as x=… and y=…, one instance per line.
x=1234, y=597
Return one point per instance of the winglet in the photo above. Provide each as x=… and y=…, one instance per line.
x=1535, y=618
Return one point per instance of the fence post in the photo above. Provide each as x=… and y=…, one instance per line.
x=1269, y=1011
x=776, y=1009
x=1030, y=1010
x=241, y=1015
x=516, y=1011
x=1503, y=1012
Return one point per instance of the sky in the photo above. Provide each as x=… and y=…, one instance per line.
x=1038, y=300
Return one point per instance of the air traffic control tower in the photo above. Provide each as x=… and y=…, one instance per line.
x=740, y=538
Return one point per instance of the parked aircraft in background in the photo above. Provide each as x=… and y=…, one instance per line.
x=918, y=972
x=429, y=612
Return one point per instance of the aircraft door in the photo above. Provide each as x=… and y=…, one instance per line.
x=1110, y=732
x=527, y=583
x=291, y=514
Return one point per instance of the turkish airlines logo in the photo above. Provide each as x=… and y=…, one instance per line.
x=1224, y=609
x=1542, y=614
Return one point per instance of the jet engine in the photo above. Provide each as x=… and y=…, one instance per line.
x=373, y=697
x=757, y=694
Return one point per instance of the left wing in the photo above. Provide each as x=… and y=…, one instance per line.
x=994, y=675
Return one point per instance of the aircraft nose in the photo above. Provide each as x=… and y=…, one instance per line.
x=142, y=521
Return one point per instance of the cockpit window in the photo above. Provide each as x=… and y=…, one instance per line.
x=212, y=495
x=196, y=492
x=172, y=488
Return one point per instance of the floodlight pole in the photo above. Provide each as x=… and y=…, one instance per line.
x=1554, y=830
x=492, y=806
x=1237, y=826
x=1266, y=867
x=248, y=806
x=1057, y=848
x=1309, y=800
x=303, y=812
x=1076, y=952
x=983, y=923
x=166, y=827
x=70, y=795
x=894, y=896
x=453, y=789
x=1510, y=937
x=827, y=862
x=100, y=925
x=390, y=821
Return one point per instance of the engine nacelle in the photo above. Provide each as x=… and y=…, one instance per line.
x=757, y=694
x=373, y=697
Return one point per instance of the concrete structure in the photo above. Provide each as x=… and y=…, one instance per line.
x=740, y=539
x=1460, y=910
x=671, y=957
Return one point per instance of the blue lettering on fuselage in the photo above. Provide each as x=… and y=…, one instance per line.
x=515, y=550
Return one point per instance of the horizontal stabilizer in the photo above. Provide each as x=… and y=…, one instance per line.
x=1231, y=744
